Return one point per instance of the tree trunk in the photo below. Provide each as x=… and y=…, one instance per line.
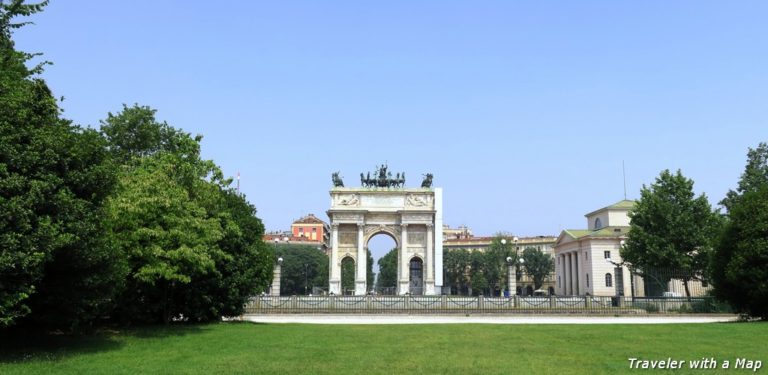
x=687, y=290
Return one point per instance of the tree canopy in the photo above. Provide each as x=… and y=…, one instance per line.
x=671, y=229
x=56, y=270
x=304, y=267
x=538, y=265
x=739, y=263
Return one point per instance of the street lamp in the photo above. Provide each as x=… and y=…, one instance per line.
x=520, y=271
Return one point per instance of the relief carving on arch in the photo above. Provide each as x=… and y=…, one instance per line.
x=348, y=200
x=414, y=200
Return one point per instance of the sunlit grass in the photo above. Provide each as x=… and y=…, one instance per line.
x=389, y=349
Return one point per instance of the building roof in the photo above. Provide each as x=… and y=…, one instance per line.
x=309, y=219
x=605, y=232
x=624, y=204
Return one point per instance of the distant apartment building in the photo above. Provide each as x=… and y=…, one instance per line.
x=462, y=238
x=308, y=230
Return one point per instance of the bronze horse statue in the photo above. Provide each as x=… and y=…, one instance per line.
x=337, y=182
x=427, y=182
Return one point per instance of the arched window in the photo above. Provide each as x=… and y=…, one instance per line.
x=598, y=223
x=608, y=279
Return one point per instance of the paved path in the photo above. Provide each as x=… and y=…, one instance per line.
x=483, y=319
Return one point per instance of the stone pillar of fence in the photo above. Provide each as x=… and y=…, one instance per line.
x=516, y=301
x=480, y=302
x=587, y=302
x=274, y=290
x=552, y=302
x=294, y=302
x=444, y=301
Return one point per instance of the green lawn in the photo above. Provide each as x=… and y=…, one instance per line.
x=387, y=349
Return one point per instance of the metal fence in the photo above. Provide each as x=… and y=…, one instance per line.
x=410, y=304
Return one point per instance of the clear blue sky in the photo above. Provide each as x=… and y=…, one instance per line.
x=523, y=111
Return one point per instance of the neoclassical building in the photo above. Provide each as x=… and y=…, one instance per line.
x=587, y=260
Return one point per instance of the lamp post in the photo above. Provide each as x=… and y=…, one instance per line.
x=521, y=261
x=631, y=276
x=511, y=284
x=306, y=278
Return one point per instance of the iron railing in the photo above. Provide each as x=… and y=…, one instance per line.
x=414, y=304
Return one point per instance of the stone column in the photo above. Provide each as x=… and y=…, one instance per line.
x=429, y=269
x=274, y=290
x=574, y=285
x=568, y=289
x=511, y=278
x=334, y=273
x=402, y=262
x=362, y=258
x=578, y=273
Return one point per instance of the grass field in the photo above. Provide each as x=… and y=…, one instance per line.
x=386, y=349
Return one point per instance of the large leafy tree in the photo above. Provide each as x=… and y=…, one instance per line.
x=304, y=267
x=457, y=265
x=193, y=244
x=495, y=265
x=755, y=175
x=671, y=229
x=55, y=267
x=538, y=265
x=739, y=263
x=387, y=270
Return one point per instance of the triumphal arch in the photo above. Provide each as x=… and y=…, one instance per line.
x=384, y=205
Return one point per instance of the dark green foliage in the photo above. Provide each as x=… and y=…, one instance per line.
x=671, y=229
x=754, y=177
x=134, y=133
x=456, y=264
x=304, y=267
x=388, y=270
x=538, y=265
x=55, y=267
x=740, y=261
x=193, y=244
x=347, y=275
x=369, y=274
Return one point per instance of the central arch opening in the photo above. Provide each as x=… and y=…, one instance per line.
x=383, y=250
x=416, y=276
x=347, y=276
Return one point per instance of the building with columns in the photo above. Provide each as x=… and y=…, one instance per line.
x=587, y=260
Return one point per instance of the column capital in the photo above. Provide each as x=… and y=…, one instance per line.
x=335, y=225
x=404, y=225
x=430, y=225
x=360, y=224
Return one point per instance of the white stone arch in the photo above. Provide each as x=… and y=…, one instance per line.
x=411, y=217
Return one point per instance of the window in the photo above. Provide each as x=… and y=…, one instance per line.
x=598, y=223
x=607, y=254
x=301, y=230
x=587, y=280
x=314, y=230
x=608, y=279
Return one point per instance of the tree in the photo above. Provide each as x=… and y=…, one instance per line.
x=478, y=274
x=193, y=243
x=56, y=270
x=495, y=265
x=370, y=276
x=755, y=175
x=134, y=133
x=244, y=270
x=671, y=229
x=457, y=265
x=169, y=238
x=538, y=265
x=304, y=267
x=387, y=270
x=739, y=263
x=347, y=275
